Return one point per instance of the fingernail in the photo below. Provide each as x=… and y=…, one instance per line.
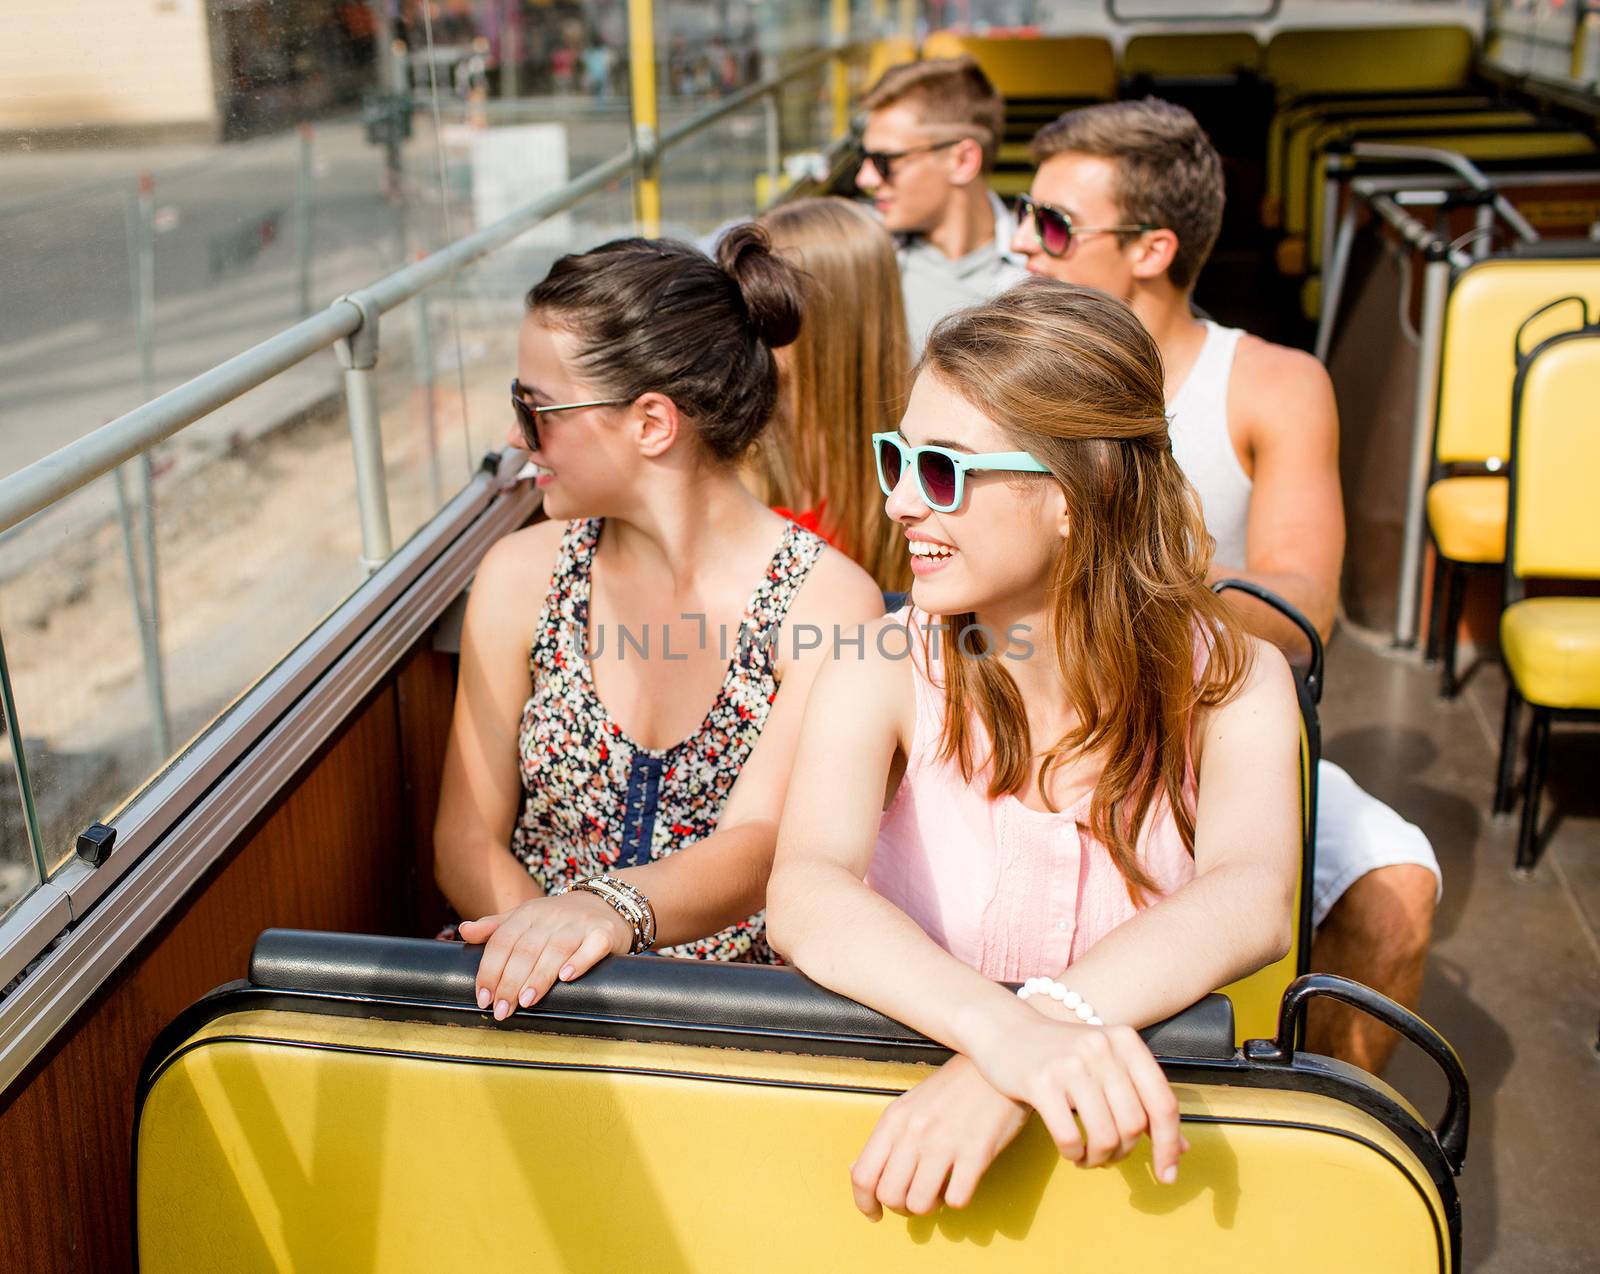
x=483, y=997
x=501, y=1010
x=1169, y=1175
x=526, y=997
x=566, y=973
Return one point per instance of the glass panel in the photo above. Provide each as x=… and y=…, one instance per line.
x=74, y=647
x=485, y=312
x=20, y=871
x=253, y=163
x=233, y=168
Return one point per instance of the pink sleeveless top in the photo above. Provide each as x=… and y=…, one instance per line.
x=1014, y=892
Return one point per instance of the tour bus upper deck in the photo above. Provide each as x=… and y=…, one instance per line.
x=260, y=745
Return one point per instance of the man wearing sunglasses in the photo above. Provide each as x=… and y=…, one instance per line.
x=1128, y=198
x=931, y=135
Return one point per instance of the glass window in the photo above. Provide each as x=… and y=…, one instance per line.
x=191, y=180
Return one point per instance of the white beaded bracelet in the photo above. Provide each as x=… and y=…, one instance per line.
x=1058, y=992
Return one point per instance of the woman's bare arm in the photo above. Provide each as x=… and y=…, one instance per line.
x=717, y=881
x=480, y=789
x=1235, y=916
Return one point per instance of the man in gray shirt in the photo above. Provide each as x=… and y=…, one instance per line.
x=933, y=129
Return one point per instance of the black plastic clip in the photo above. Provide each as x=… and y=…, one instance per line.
x=95, y=843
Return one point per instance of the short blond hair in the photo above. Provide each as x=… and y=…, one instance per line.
x=1168, y=172
x=945, y=91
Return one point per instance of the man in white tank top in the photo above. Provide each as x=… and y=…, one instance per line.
x=1255, y=428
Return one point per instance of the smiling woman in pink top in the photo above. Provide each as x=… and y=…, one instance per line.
x=1060, y=762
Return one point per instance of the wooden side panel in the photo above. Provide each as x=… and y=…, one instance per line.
x=336, y=854
x=425, y=695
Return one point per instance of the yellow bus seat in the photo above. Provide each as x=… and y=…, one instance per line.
x=886, y=53
x=1488, y=303
x=1467, y=516
x=1551, y=645
x=1466, y=511
x=349, y=1108
x=1530, y=145
x=1308, y=145
x=1349, y=59
x=1300, y=113
x=1256, y=997
x=1060, y=69
x=1204, y=53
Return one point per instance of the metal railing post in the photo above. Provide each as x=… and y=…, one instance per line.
x=642, y=105
x=422, y=359
x=358, y=355
x=142, y=563
x=1435, y=291
x=302, y=218
x=19, y=759
x=769, y=116
x=1338, y=232
x=839, y=29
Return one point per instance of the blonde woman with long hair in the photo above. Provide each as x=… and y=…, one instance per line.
x=1085, y=782
x=843, y=379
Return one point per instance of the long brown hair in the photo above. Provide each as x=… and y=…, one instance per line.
x=1072, y=376
x=848, y=376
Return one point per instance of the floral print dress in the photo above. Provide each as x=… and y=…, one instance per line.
x=593, y=799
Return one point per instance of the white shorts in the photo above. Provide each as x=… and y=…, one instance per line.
x=1358, y=833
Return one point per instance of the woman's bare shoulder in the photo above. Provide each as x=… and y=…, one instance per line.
x=514, y=575
x=837, y=591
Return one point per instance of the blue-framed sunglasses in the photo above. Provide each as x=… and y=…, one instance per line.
x=941, y=473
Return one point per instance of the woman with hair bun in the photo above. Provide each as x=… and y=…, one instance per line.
x=1063, y=764
x=634, y=670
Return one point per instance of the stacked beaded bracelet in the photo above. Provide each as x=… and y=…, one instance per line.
x=1066, y=998
x=628, y=903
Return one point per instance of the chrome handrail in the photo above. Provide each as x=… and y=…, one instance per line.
x=1474, y=175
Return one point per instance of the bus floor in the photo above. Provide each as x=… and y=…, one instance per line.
x=1513, y=978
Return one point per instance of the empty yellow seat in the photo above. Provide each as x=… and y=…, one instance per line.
x=1551, y=646
x=1064, y=68
x=1468, y=518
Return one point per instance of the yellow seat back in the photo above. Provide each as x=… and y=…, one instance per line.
x=1293, y=118
x=359, y=1130
x=1068, y=68
x=1308, y=145
x=1204, y=53
x=886, y=53
x=1488, y=303
x=1555, y=518
x=1354, y=60
x=1256, y=997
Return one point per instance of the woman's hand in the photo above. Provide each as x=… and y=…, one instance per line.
x=934, y=1142
x=529, y=947
x=1105, y=1074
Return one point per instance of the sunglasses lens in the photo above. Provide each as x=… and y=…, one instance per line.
x=1055, y=231
x=527, y=422
x=880, y=165
x=889, y=466
x=937, y=474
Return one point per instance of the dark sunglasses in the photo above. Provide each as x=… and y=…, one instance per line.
x=941, y=473
x=528, y=415
x=882, y=161
x=1055, y=229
